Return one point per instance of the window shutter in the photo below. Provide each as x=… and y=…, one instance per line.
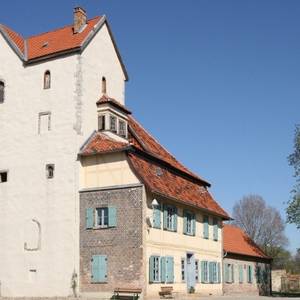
x=163, y=269
x=250, y=274
x=232, y=273
x=215, y=230
x=205, y=227
x=112, y=216
x=165, y=216
x=99, y=268
x=151, y=269
x=219, y=272
x=226, y=273
x=194, y=225
x=184, y=222
x=169, y=269
x=89, y=218
x=202, y=271
x=210, y=272
x=175, y=219
x=156, y=217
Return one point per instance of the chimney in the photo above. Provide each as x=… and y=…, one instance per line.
x=79, y=19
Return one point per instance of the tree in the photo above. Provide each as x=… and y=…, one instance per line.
x=293, y=209
x=261, y=222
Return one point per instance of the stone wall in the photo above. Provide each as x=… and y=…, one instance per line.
x=122, y=244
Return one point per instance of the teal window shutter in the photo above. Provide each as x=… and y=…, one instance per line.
x=175, y=219
x=89, y=218
x=210, y=272
x=156, y=216
x=205, y=227
x=232, y=273
x=163, y=269
x=169, y=269
x=215, y=234
x=184, y=222
x=241, y=273
x=112, y=216
x=219, y=273
x=194, y=225
x=227, y=272
x=165, y=217
x=151, y=269
x=99, y=268
x=202, y=272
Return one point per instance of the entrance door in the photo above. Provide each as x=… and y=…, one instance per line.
x=190, y=271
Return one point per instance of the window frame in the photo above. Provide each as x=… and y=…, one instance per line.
x=124, y=129
x=113, y=117
x=47, y=85
x=2, y=97
x=41, y=114
x=104, y=217
x=158, y=271
x=170, y=215
x=103, y=122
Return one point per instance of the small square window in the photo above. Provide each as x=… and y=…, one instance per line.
x=3, y=176
x=49, y=171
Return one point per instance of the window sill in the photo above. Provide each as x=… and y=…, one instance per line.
x=171, y=230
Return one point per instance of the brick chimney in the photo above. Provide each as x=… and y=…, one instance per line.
x=79, y=19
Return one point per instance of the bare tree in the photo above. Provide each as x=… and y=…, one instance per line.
x=261, y=222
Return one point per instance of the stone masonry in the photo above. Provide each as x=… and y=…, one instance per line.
x=122, y=244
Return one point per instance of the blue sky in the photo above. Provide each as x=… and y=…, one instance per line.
x=217, y=82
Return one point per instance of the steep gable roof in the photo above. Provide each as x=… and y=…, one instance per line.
x=57, y=42
x=236, y=241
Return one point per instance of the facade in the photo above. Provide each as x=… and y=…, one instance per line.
x=247, y=269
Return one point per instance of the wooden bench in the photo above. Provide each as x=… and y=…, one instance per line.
x=133, y=293
x=166, y=291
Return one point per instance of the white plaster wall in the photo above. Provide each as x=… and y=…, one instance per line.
x=166, y=243
x=100, y=59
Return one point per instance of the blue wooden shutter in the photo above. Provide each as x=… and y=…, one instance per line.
x=112, y=216
x=219, y=273
x=184, y=222
x=99, y=268
x=232, y=273
x=250, y=274
x=202, y=272
x=215, y=235
x=241, y=279
x=163, y=269
x=205, y=227
x=194, y=225
x=165, y=216
x=226, y=273
x=169, y=269
x=89, y=217
x=210, y=272
x=175, y=219
x=156, y=216
x=151, y=269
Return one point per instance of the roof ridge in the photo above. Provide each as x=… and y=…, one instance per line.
x=59, y=28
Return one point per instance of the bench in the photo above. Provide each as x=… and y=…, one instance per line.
x=134, y=293
x=166, y=291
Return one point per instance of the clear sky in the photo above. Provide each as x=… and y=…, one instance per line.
x=216, y=82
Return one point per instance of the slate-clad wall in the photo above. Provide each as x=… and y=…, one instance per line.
x=121, y=244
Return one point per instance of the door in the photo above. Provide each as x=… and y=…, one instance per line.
x=190, y=271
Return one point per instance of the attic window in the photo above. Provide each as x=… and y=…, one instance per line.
x=122, y=128
x=2, y=87
x=45, y=44
x=3, y=176
x=113, y=123
x=159, y=171
x=101, y=122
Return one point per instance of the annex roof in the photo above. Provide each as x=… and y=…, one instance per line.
x=236, y=241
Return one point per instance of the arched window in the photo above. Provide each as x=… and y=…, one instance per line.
x=103, y=85
x=47, y=80
x=2, y=87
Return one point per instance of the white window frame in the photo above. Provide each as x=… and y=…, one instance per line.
x=120, y=121
x=102, y=210
x=111, y=117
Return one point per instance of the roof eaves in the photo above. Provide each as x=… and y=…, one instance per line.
x=11, y=43
x=122, y=149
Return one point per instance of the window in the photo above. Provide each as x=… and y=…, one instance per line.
x=170, y=217
x=3, y=176
x=47, y=80
x=215, y=233
x=102, y=217
x=161, y=269
x=189, y=223
x=249, y=274
x=99, y=268
x=50, y=171
x=101, y=122
x=197, y=270
x=204, y=271
x=44, y=122
x=182, y=269
x=103, y=85
x=205, y=227
x=154, y=269
x=113, y=123
x=241, y=274
x=156, y=216
x=122, y=128
x=2, y=87
x=259, y=274
x=229, y=273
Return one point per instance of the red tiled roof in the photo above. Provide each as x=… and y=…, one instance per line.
x=174, y=186
x=238, y=242
x=105, y=99
x=143, y=140
x=102, y=143
x=15, y=37
x=59, y=40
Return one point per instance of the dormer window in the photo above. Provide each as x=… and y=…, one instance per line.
x=113, y=123
x=2, y=87
x=122, y=128
x=101, y=122
x=47, y=80
x=103, y=85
